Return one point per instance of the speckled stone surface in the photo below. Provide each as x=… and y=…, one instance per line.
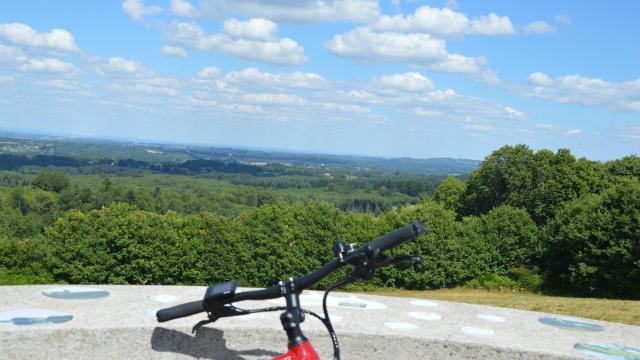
x=109, y=322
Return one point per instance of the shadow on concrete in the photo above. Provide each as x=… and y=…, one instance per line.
x=206, y=344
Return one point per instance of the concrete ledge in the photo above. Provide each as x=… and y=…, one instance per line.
x=109, y=322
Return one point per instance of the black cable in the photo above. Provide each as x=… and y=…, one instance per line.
x=327, y=319
x=267, y=309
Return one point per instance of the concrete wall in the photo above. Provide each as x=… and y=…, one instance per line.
x=107, y=322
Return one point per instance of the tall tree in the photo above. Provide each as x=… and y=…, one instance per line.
x=54, y=181
x=449, y=193
x=594, y=243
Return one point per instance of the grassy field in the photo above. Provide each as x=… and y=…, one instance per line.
x=622, y=311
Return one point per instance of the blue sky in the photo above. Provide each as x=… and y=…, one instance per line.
x=387, y=78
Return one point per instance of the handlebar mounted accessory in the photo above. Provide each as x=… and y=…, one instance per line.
x=218, y=293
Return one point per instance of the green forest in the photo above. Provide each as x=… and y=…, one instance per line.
x=537, y=221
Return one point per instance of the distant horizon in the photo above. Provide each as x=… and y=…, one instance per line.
x=150, y=141
x=5, y=132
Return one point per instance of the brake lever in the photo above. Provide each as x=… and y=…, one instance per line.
x=217, y=313
x=201, y=324
x=376, y=260
x=391, y=261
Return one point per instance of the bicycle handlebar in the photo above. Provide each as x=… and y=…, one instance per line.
x=178, y=311
x=398, y=236
x=384, y=242
x=194, y=307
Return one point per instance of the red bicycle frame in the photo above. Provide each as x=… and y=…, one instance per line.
x=304, y=351
x=300, y=347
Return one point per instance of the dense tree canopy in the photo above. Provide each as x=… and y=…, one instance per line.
x=449, y=193
x=536, y=181
x=594, y=243
x=526, y=219
x=51, y=181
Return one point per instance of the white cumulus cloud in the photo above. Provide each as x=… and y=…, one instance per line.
x=12, y=55
x=444, y=22
x=539, y=78
x=347, y=108
x=122, y=66
x=460, y=64
x=365, y=44
x=492, y=24
x=439, y=96
x=279, y=51
x=47, y=66
x=256, y=29
x=588, y=91
x=513, y=112
x=183, y=8
x=291, y=80
x=299, y=11
x=425, y=19
x=273, y=99
x=137, y=10
x=173, y=51
x=410, y=81
x=210, y=72
x=155, y=90
x=25, y=35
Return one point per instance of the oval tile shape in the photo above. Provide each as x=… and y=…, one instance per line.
x=425, y=316
x=75, y=292
x=30, y=316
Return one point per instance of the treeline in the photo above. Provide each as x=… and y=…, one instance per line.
x=14, y=162
x=540, y=221
x=270, y=176
x=192, y=167
x=277, y=176
x=408, y=184
x=188, y=167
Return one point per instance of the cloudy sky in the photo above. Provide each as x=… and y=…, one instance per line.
x=391, y=78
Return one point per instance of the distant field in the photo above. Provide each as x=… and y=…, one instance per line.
x=621, y=311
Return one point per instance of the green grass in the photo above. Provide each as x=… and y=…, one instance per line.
x=621, y=311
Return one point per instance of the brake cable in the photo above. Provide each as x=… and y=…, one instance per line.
x=327, y=319
x=231, y=310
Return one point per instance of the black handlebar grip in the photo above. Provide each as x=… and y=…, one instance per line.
x=178, y=311
x=398, y=236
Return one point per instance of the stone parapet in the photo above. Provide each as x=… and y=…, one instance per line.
x=118, y=322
